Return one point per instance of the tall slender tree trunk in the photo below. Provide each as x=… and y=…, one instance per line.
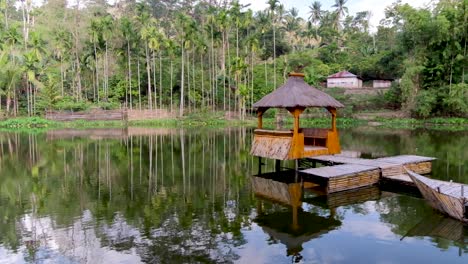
x=188, y=82
x=61, y=75
x=160, y=81
x=171, y=87
x=193, y=81
x=148, y=72
x=202, y=82
x=213, y=69
x=106, y=72
x=153, y=59
x=181, y=106
x=129, y=75
x=274, y=55
x=223, y=70
x=229, y=72
x=139, y=82
x=97, y=72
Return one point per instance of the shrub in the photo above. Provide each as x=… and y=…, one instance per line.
x=393, y=97
x=68, y=104
x=425, y=101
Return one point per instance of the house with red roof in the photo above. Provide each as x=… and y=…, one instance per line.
x=344, y=79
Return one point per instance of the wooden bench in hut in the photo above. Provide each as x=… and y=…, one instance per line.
x=295, y=96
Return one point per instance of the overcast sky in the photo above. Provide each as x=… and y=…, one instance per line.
x=376, y=7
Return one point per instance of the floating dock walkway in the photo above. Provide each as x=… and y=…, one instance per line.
x=344, y=173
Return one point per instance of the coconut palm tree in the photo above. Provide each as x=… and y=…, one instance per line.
x=126, y=26
x=340, y=11
x=272, y=8
x=107, y=26
x=95, y=33
x=315, y=12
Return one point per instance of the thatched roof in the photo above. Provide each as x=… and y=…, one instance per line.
x=297, y=93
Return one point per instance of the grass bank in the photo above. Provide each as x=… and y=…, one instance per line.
x=218, y=120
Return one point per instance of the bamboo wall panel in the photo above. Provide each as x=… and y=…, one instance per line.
x=362, y=179
x=271, y=147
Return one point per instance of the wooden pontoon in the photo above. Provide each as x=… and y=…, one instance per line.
x=295, y=96
x=447, y=197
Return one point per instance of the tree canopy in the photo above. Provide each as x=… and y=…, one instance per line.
x=220, y=55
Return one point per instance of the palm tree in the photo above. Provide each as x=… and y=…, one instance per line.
x=95, y=33
x=223, y=21
x=170, y=49
x=145, y=34
x=292, y=25
x=272, y=8
x=127, y=29
x=315, y=12
x=62, y=44
x=187, y=29
x=10, y=75
x=340, y=11
x=107, y=24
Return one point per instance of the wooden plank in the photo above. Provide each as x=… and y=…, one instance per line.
x=406, y=159
x=337, y=171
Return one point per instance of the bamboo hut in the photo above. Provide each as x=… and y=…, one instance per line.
x=295, y=96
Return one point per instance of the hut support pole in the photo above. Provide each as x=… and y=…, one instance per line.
x=296, y=112
x=333, y=113
x=260, y=119
x=260, y=112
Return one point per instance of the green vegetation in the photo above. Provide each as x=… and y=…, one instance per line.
x=198, y=56
x=38, y=124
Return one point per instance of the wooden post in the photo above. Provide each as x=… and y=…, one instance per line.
x=333, y=113
x=260, y=112
x=296, y=112
x=296, y=122
x=277, y=165
x=260, y=119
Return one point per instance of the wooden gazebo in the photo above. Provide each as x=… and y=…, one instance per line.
x=295, y=96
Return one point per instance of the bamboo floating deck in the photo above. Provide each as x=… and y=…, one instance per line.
x=354, y=173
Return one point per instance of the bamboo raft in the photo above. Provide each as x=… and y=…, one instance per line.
x=345, y=177
x=352, y=173
x=447, y=197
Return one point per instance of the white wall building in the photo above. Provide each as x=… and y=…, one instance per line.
x=344, y=79
x=381, y=83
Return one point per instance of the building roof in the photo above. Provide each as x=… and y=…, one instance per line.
x=297, y=93
x=342, y=74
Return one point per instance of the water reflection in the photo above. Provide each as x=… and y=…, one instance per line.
x=170, y=195
x=293, y=226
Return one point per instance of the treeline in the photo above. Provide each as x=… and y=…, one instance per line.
x=219, y=55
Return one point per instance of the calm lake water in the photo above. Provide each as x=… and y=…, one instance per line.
x=189, y=196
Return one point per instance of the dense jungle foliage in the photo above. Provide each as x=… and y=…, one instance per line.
x=212, y=55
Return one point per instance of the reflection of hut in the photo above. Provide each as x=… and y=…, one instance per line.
x=296, y=95
x=280, y=226
x=291, y=227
